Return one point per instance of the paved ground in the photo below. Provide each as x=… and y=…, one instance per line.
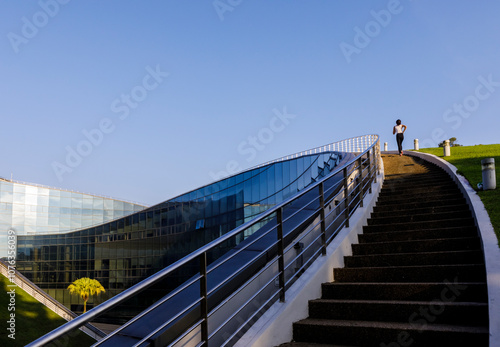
x=394, y=165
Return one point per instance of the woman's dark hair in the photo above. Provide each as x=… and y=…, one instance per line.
x=398, y=122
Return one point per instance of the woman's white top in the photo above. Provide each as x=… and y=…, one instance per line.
x=399, y=129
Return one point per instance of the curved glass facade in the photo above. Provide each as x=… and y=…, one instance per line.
x=123, y=252
x=31, y=209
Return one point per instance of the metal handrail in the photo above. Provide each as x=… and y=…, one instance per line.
x=338, y=146
x=367, y=143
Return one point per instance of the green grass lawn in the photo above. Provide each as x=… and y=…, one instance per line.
x=32, y=320
x=467, y=160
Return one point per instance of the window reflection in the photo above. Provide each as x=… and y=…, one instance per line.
x=125, y=251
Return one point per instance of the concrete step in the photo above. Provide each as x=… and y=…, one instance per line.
x=388, y=334
x=406, y=184
x=413, y=259
x=427, y=234
x=404, y=199
x=309, y=344
x=417, y=177
x=448, y=223
x=414, y=217
x=417, y=246
x=421, y=189
x=446, y=290
x=421, y=273
x=443, y=312
x=410, y=204
x=390, y=178
x=424, y=209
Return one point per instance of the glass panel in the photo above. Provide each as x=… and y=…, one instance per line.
x=278, y=176
x=118, y=205
x=31, y=190
x=286, y=173
x=293, y=170
x=262, y=186
x=88, y=202
x=43, y=200
x=108, y=204
x=77, y=202
x=19, y=198
x=98, y=203
x=6, y=196
x=65, y=194
x=43, y=191
x=66, y=202
x=6, y=186
x=247, y=191
x=271, y=181
x=19, y=188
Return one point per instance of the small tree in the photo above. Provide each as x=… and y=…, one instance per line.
x=86, y=287
x=452, y=142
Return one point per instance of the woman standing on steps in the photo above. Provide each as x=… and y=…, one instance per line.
x=399, y=129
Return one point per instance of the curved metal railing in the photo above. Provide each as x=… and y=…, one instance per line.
x=226, y=296
x=352, y=145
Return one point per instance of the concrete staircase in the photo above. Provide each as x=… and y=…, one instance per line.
x=416, y=278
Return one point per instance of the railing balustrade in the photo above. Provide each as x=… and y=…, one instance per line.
x=291, y=235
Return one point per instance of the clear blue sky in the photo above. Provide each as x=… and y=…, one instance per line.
x=178, y=89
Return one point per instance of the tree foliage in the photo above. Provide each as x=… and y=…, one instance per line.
x=453, y=142
x=85, y=288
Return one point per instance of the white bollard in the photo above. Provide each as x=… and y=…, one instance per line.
x=446, y=148
x=415, y=144
x=385, y=146
x=489, y=175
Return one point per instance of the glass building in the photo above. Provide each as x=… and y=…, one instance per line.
x=31, y=209
x=125, y=251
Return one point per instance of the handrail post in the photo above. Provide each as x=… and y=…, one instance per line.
x=322, y=217
x=346, y=194
x=370, y=171
x=377, y=153
x=204, y=301
x=281, y=258
x=360, y=181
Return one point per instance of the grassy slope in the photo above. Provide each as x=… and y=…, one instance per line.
x=467, y=159
x=33, y=320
